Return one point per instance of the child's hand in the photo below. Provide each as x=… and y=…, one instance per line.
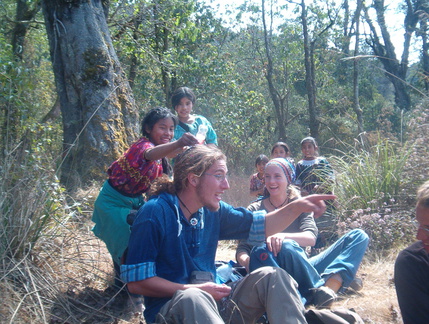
x=275, y=243
x=187, y=139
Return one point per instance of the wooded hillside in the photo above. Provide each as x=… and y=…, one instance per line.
x=77, y=77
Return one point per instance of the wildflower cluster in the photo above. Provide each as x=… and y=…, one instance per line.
x=387, y=227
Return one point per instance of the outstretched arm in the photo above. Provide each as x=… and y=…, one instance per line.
x=281, y=218
x=163, y=150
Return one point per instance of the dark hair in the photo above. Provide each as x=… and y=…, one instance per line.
x=261, y=158
x=153, y=116
x=182, y=92
x=309, y=139
x=282, y=144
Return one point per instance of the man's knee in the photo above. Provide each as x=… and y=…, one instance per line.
x=192, y=295
x=278, y=274
x=263, y=271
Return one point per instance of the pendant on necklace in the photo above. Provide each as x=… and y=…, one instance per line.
x=193, y=221
x=277, y=207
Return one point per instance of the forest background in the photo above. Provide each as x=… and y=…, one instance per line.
x=77, y=76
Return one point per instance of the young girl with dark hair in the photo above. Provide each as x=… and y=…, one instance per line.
x=314, y=174
x=183, y=101
x=257, y=179
x=130, y=177
x=282, y=150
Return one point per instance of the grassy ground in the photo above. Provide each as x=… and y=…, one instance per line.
x=376, y=302
x=88, y=298
x=71, y=276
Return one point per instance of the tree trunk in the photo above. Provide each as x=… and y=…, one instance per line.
x=346, y=33
x=310, y=81
x=278, y=100
x=9, y=135
x=162, y=46
x=356, y=105
x=396, y=71
x=98, y=110
x=425, y=51
x=23, y=15
x=134, y=60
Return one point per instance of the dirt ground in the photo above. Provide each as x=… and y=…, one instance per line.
x=376, y=302
x=85, y=274
x=91, y=299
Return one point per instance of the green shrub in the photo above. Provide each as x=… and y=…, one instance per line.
x=368, y=186
x=370, y=178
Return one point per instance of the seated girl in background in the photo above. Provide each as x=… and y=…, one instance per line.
x=314, y=174
x=257, y=179
x=183, y=101
x=131, y=176
x=282, y=150
x=319, y=277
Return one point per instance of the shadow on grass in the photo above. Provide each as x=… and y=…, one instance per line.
x=94, y=306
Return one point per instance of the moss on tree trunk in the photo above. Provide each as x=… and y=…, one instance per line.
x=97, y=106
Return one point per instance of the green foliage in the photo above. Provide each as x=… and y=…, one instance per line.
x=416, y=133
x=236, y=124
x=369, y=178
x=26, y=87
x=368, y=187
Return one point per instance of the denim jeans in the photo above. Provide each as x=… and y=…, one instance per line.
x=342, y=257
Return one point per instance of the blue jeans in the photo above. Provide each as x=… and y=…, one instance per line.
x=342, y=257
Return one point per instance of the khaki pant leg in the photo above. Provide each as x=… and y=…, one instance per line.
x=270, y=290
x=190, y=306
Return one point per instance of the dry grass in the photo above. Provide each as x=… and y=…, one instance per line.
x=376, y=303
x=70, y=277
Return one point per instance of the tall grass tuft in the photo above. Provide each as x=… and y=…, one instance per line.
x=32, y=202
x=370, y=178
x=32, y=210
x=368, y=186
x=53, y=269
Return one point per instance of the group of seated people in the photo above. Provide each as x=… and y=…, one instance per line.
x=318, y=277
x=169, y=255
x=311, y=174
